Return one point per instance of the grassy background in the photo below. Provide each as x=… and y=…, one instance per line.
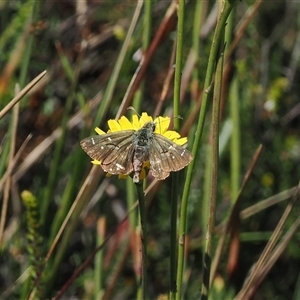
x=226, y=225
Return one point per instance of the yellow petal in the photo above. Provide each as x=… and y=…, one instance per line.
x=96, y=162
x=162, y=124
x=171, y=135
x=125, y=123
x=145, y=118
x=181, y=141
x=135, y=122
x=99, y=131
x=114, y=125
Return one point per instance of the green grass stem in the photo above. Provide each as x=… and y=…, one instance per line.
x=178, y=62
x=174, y=177
x=57, y=155
x=235, y=144
x=198, y=19
x=207, y=87
x=69, y=193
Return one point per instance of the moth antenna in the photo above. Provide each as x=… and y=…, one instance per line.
x=134, y=110
x=172, y=118
x=177, y=117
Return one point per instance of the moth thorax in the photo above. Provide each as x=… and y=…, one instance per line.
x=144, y=136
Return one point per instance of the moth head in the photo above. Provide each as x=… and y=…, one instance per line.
x=150, y=125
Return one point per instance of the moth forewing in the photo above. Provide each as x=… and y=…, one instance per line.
x=113, y=151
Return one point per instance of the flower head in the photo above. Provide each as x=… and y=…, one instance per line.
x=136, y=140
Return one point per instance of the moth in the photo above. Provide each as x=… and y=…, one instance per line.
x=125, y=151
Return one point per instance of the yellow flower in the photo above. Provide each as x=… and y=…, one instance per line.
x=161, y=128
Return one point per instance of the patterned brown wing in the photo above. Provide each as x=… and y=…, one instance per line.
x=113, y=150
x=166, y=157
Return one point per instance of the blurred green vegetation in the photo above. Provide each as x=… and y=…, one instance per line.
x=92, y=52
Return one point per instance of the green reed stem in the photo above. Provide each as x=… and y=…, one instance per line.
x=147, y=27
x=131, y=198
x=235, y=151
x=178, y=62
x=196, y=33
x=213, y=178
x=132, y=217
x=176, y=106
x=142, y=208
x=107, y=97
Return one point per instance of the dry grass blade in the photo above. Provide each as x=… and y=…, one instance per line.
x=165, y=27
x=82, y=194
x=7, y=185
x=22, y=278
x=46, y=143
x=21, y=94
x=248, y=288
x=234, y=214
x=274, y=255
x=16, y=56
x=88, y=261
x=167, y=83
x=13, y=162
x=92, y=176
x=240, y=30
x=113, y=280
x=127, y=42
x=261, y=205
